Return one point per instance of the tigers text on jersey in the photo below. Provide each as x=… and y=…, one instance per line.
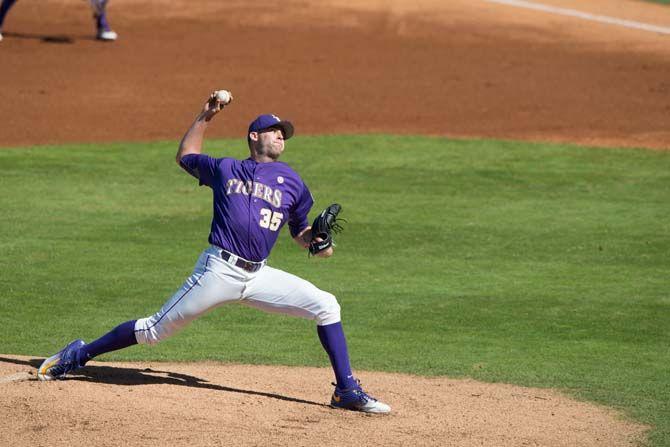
x=252, y=201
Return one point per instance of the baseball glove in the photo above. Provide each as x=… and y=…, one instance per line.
x=323, y=226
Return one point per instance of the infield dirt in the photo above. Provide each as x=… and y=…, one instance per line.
x=459, y=68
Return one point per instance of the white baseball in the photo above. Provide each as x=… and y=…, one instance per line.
x=224, y=96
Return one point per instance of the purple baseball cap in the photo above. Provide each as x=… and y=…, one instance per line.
x=268, y=120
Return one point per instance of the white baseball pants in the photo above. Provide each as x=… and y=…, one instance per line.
x=215, y=282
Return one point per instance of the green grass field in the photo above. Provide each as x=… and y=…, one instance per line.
x=539, y=265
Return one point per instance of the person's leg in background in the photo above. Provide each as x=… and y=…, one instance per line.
x=103, y=29
x=5, y=6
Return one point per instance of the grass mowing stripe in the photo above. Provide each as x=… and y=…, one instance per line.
x=542, y=265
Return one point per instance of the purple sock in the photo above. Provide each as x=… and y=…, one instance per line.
x=4, y=9
x=120, y=337
x=333, y=341
x=102, y=23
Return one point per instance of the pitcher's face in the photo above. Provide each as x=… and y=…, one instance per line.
x=270, y=142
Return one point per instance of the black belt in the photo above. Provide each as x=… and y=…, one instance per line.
x=242, y=263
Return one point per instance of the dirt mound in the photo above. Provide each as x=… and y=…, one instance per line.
x=205, y=404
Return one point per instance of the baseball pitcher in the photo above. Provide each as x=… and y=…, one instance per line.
x=252, y=200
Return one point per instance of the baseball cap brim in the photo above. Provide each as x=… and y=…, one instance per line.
x=271, y=121
x=286, y=128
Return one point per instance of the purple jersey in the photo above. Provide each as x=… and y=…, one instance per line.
x=252, y=201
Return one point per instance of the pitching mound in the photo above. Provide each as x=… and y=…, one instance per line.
x=205, y=404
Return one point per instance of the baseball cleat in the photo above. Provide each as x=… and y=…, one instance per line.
x=106, y=35
x=58, y=365
x=357, y=400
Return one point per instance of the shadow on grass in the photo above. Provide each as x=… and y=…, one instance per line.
x=147, y=376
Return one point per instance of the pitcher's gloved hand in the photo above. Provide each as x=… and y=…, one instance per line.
x=323, y=226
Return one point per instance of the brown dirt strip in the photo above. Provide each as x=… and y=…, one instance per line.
x=459, y=68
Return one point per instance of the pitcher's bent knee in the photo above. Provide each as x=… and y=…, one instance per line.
x=152, y=330
x=330, y=310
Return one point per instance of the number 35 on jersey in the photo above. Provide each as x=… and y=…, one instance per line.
x=270, y=219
